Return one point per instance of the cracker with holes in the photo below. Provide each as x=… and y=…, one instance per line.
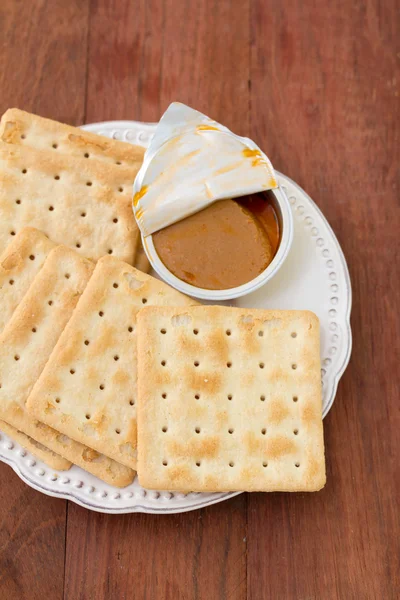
x=76, y=202
x=92, y=370
x=229, y=399
x=19, y=264
x=20, y=127
x=25, y=346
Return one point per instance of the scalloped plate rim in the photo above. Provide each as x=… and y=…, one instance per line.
x=138, y=507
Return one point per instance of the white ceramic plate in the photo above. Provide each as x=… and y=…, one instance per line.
x=314, y=277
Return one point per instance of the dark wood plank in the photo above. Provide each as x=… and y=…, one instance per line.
x=144, y=55
x=32, y=541
x=325, y=106
x=197, y=555
x=43, y=69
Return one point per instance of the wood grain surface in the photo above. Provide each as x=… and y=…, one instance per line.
x=316, y=84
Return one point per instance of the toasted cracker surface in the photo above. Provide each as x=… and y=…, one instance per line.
x=20, y=127
x=92, y=370
x=82, y=204
x=53, y=460
x=229, y=399
x=19, y=264
x=25, y=345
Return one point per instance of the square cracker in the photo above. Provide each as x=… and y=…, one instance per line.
x=19, y=264
x=97, y=402
x=20, y=127
x=82, y=204
x=25, y=346
x=229, y=399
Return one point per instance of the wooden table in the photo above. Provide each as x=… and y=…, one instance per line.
x=316, y=85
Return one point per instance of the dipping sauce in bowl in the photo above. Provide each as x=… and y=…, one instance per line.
x=224, y=246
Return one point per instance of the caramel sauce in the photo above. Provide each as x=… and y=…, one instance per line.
x=220, y=247
x=261, y=207
x=224, y=245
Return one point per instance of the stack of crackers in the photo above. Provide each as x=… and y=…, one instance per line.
x=107, y=368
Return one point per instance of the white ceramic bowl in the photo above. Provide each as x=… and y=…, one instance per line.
x=284, y=214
